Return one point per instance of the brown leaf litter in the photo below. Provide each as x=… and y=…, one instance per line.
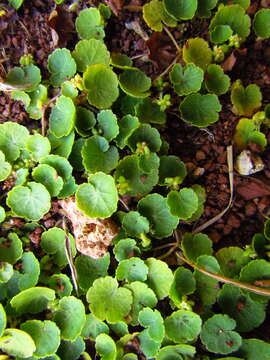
x=93, y=236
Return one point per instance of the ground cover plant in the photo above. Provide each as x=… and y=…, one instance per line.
x=105, y=250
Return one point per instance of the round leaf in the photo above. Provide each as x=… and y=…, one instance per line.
x=153, y=321
x=61, y=65
x=247, y=313
x=160, y=277
x=31, y=202
x=220, y=34
x=256, y=272
x=171, y=170
x=102, y=85
x=61, y=165
x=62, y=146
x=206, y=287
x=32, y=300
x=62, y=117
x=175, y=352
x=88, y=24
x=99, y=197
x=181, y=9
x=3, y=319
x=218, y=337
x=200, y=110
x=90, y=269
x=233, y=16
x=85, y=121
x=197, y=51
x=154, y=207
x=127, y=125
x=98, y=155
x=183, y=284
x=135, y=83
x=148, y=346
x=61, y=284
x=94, y=327
x=154, y=14
x=205, y=7
x=132, y=269
x=261, y=23
x=17, y=343
x=48, y=176
x=134, y=180
x=252, y=347
x=245, y=100
x=183, y=326
x=38, y=146
x=5, y=167
x=10, y=248
x=107, y=124
x=26, y=77
x=29, y=271
x=231, y=260
x=106, y=347
x=53, y=242
x=12, y=139
x=45, y=334
x=108, y=301
x=183, y=204
x=150, y=112
x=6, y=273
x=216, y=81
x=186, y=80
x=125, y=248
x=90, y=52
x=143, y=296
x=70, y=317
x=135, y=224
x=195, y=245
x=71, y=350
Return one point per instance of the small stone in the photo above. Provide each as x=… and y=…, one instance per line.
x=233, y=221
x=198, y=171
x=227, y=229
x=200, y=155
x=250, y=209
x=215, y=236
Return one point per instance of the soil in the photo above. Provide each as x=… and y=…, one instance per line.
x=203, y=150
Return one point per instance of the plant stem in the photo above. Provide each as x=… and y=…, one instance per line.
x=43, y=117
x=68, y=252
x=168, y=68
x=224, y=279
x=172, y=38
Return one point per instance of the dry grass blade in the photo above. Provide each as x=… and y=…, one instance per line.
x=70, y=258
x=224, y=279
x=219, y=216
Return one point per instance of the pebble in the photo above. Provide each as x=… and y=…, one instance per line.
x=250, y=209
x=200, y=155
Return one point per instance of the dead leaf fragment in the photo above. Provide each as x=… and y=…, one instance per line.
x=229, y=62
x=92, y=236
x=251, y=190
x=161, y=50
x=62, y=25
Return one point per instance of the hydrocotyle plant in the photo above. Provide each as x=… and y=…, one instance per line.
x=92, y=287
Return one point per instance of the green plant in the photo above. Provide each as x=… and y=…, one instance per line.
x=102, y=157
